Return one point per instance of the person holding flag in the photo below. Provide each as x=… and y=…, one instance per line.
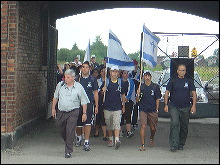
x=113, y=87
x=114, y=105
x=148, y=93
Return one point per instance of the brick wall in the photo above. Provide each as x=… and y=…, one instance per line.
x=9, y=42
x=23, y=78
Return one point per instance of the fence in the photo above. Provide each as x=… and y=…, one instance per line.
x=203, y=49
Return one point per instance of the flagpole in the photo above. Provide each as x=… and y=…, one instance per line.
x=105, y=82
x=141, y=60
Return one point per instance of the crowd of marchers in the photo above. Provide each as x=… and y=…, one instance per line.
x=89, y=96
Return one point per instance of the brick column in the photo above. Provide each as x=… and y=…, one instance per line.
x=9, y=38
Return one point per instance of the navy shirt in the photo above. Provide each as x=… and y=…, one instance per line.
x=126, y=85
x=149, y=96
x=89, y=85
x=113, y=96
x=180, y=91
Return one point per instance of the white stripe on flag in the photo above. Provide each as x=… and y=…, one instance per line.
x=149, y=47
x=116, y=54
x=87, y=54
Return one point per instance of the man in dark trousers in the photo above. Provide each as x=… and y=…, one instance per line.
x=180, y=89
x=70, y=96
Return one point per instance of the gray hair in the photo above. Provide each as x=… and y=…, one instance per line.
x=70, y=72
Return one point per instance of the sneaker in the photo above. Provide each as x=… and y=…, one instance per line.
x=130, y=134
x=180, y=148
x=105, y=139
x=110, y=143
x=78, y=143
x=135, y=126
x=121, y=134
x=86, y=147
x=117, y=144
x=173, y=149
x=67, y=155
x=142, y=147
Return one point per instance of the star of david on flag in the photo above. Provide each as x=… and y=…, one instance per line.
x=149, y=47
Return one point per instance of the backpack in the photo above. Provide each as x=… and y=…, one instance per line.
x=119, y=83
x=63, y=82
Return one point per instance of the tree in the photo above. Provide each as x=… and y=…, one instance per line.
x=75, y=47
x=63, y=54
x=216, y=53
x=135, y=56
x=98, y=49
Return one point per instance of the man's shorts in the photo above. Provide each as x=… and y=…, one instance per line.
x=150, y=119
x=89, y=113
x=113, y=119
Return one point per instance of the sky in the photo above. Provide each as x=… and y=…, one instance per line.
x=127, y=25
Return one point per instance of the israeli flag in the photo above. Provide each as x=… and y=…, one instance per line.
x=116, y=54
x=87, y=54
x=149, y=47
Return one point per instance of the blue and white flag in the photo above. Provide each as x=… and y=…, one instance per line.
x=87, y=54
x=116, y=54
x=149, y=47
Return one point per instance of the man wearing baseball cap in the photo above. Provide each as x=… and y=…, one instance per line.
x=114, y=105
x=149, y=94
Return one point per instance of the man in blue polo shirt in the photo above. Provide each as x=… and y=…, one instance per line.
x=90, y=85
x=180, y=88
x=148, y=94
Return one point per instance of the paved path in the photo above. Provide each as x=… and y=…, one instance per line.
x=45, y=145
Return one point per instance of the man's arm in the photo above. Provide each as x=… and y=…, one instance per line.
x=157, y=104
x=53, y=106
x=96, y=98
x=193, y=108
x=166, y=100
x=123, y=99
x=84, y=116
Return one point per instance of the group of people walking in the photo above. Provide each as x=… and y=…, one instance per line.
x=112, y=98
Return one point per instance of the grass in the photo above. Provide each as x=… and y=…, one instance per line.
x=206, y=73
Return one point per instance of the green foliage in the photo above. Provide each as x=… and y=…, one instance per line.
x=67, y=55
x=98, y=49
x=135, y=56
x=75, y=47
x=206, y=73
x=216, y=52
x=158, y=67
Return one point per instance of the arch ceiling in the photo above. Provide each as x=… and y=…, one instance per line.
x=206, y=9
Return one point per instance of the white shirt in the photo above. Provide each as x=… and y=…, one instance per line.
x=70, y=98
